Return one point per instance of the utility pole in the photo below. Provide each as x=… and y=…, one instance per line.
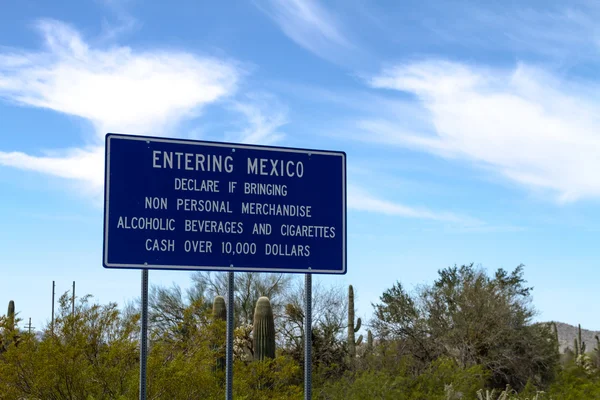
x=53, y=286
x=73, y=300
x=29, y=326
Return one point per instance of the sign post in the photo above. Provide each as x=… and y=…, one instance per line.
x=176, y=204
x=144, y=335
x=229, y=344
x=308, y=337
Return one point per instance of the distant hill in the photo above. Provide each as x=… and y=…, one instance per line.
x=567, y=333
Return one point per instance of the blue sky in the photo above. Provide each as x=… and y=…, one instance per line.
x=471, y=130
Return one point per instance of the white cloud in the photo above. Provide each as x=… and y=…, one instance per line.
x=308, y=24
x=360, y=200
x=62, y=165
x=84, y=166
x=264, y=116
x=525, y=123
x=119, y=90
x=125, y=21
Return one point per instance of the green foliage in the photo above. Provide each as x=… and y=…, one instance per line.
x=278, y=379
x=466, y=336
x=184, y=370
x=529, y=391
x=474, y=319
x=400, y=382
x=93, y=354
x=172, y=317
x=575, y=383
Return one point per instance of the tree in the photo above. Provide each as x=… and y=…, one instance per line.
x=92, y=353
x=474, y=319
x=249, y=287
x=329, y=323
x=171, y=315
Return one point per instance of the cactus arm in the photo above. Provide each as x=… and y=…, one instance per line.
x=359, y=341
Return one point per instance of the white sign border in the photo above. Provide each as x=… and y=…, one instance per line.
x=229, y=268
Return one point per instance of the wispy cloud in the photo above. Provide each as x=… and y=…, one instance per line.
x=563, y=33
x=309, y=24
x=529, y=125
x=264, y=115
x=115, y=88
x=125, y=22
x=556, y=30
x=119, y=89
x=360, y=200
x=85, y=166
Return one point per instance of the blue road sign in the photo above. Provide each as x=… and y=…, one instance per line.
x=195, y=205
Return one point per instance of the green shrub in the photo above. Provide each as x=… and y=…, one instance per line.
x=402, y=383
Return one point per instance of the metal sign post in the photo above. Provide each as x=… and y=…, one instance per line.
x=144, y=335
x=308, y=337
x=177, y=204
x=229, y=347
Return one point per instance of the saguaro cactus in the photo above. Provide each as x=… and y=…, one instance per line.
x=369, y=340
x=352, y=329
x=12, y=335
x=10, y=315
x=263, y=336
x=597, y=351
x=578, y=344
x=219, y=313
x=555, y=332
x=219, y=310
